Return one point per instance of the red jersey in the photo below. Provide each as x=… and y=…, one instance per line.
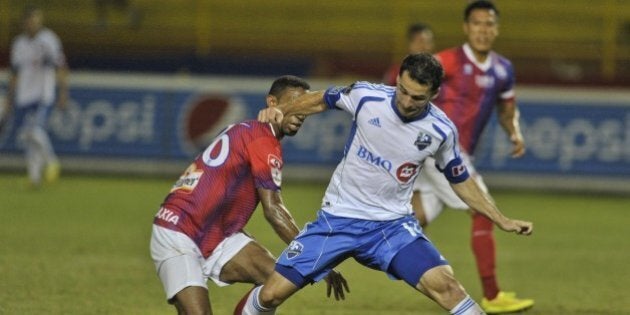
x=470, y=90
x=216, y=195
x=391, y=75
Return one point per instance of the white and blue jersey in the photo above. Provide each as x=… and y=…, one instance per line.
x=385, y=152
x=366, y=211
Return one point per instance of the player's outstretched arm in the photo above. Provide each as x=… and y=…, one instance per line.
x=307, y=104
x=277, y=214
x=477, y=199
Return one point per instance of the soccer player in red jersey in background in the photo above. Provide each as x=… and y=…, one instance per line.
x=419, y=40
x=476, y=81
x=198, y=231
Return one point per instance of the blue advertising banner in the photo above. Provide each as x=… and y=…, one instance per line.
x=579, y=139
x=170, y=124
x=136, y=118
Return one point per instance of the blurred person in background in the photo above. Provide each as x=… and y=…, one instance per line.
x=419, y=39
x=476, y=80
x=38, y=66
x=198, y=231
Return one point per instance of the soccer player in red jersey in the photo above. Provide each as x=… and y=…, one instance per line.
x=198, y=231
x=476, y=81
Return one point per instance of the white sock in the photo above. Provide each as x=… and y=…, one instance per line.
x=34, y=162
x=253, y=307
x=467, y=307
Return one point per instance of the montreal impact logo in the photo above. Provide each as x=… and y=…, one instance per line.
x=295, y=249
x=423, y=141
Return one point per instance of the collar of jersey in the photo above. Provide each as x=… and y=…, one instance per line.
x=412, y=119
x=483, y=66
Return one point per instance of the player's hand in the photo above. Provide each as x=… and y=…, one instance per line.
x=517, y=226
x=519, y=146
x=336, y=283
x=270, y=114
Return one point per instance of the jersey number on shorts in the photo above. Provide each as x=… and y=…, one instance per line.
x=412, y=227
x=224, y=140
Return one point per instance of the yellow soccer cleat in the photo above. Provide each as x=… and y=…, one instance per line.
x=51, y=174
x=505, y=302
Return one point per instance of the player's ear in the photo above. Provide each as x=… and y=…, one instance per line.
x=435, y=95
x=272, y=101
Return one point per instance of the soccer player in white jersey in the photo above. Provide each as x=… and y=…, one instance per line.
x=38, y=66
x=366, y=212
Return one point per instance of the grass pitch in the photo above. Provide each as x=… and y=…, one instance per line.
x=80, y=246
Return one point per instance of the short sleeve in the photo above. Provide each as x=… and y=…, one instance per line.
x=507, y=92
x=338, y=97
x=349, y=98
x=266, y=163
x=448, y=158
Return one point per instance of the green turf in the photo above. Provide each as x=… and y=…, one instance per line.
x=81, y=247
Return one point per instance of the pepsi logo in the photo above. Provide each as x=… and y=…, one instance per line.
x=204, y=116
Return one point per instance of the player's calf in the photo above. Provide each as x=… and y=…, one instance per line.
x=441, y=285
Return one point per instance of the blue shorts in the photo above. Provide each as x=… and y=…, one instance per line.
x=329, y=240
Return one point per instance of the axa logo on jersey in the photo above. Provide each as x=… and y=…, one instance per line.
x=366, y=155
x=167, y=215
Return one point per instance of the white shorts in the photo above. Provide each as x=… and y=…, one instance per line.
x=180, y=264
x=435, y=190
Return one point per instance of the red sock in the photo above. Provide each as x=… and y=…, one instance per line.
x=482, y=241
x=238, y=310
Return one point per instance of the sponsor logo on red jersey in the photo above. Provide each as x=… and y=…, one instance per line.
x=275, y=164
x=167, y=215
x=189, y=180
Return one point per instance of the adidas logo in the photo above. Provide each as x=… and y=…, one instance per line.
x=375, y=122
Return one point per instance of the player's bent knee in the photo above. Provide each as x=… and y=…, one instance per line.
x=269, y=298
x=193, y=300
x=441, y=285
x=280, y=287
x=253, y=264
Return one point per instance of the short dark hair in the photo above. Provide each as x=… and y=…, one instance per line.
x=416, y=28
x=424, y=69
x=286, y=81
x=29, y=10
x=479, y=4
